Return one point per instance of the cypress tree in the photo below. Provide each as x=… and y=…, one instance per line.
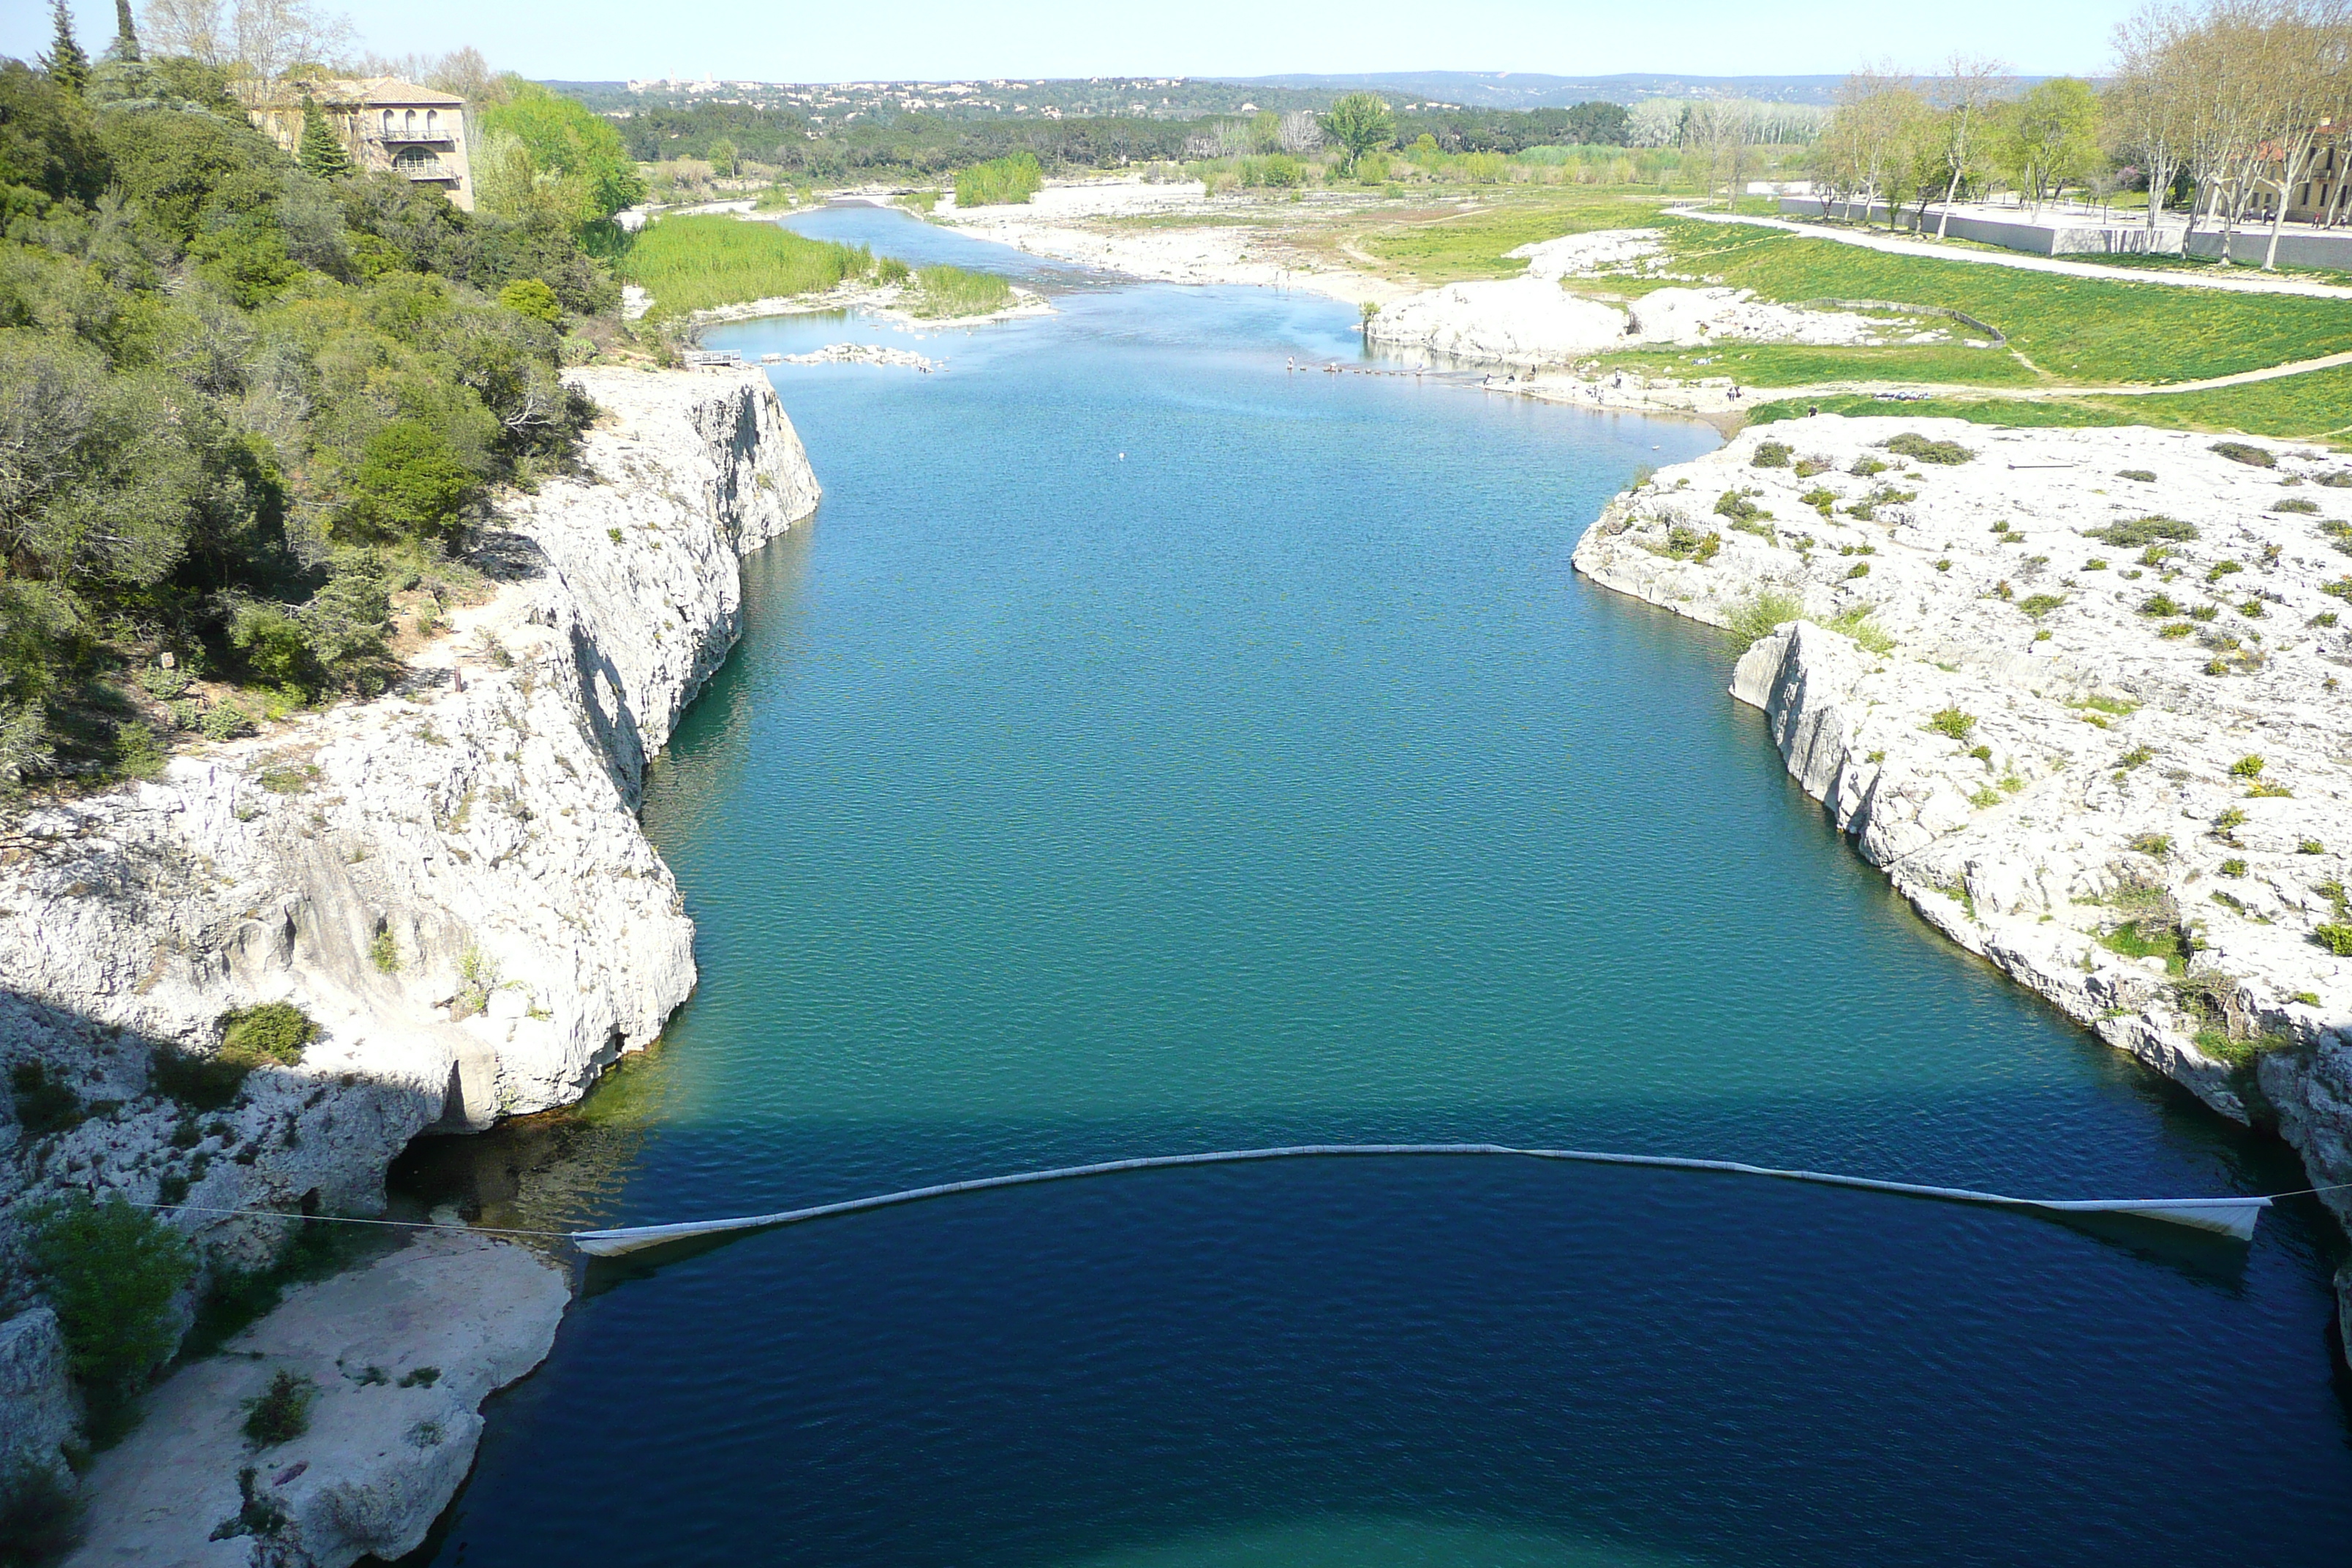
x=126, y=36
x=66, y=65
x=321, y=152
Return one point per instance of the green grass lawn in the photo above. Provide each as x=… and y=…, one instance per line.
x=695, y=263
x=1796, y=364
x=2315, y=406
x=2077, y=329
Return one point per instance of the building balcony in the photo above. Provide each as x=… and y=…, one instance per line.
x=418, y=165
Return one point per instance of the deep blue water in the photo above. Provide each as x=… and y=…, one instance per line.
x=1150, y=748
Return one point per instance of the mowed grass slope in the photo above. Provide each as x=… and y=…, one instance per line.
x=2076, y=331
x=2316, y=405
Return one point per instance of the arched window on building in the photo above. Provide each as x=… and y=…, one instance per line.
x=432, y=122
x=387, y=123
x=411, y=122
x=416, y=163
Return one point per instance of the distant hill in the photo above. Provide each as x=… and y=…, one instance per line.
x=1529, y=89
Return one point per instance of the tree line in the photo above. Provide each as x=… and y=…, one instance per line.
x=921, y=146
x=2222, y=109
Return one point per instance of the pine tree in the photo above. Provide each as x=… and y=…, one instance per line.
x=65, y=62
x=126, y=36
x=321, y=152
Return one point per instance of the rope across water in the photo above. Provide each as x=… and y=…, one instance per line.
x=2233, y=1217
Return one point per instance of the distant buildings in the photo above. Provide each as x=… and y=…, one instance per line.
x=388, y=124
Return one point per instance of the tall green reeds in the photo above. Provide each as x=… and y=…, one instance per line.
x=999, y=181
x=695, y=263
x=954, y=291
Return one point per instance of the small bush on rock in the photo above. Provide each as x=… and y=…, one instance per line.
x=2239, y=452
x=1755, y=619
x=1910, y=444
x=2144, y=475
x=1954, y=723
x=281, y=1412
x=274, y=1032
x=2334, y=937
x=1770, y=455
x=44, y=1104
x=2294, y=503
x=2039, y=605
x=2133, y=533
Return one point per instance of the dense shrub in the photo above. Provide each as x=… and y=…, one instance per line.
x=2243, y=452
x=113, y=1273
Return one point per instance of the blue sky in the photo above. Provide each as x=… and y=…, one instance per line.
x=799, y=40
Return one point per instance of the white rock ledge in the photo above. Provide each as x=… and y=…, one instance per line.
x=400, y=1355
x=2103, y=753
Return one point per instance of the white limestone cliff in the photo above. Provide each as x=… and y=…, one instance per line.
x=2058, y=731
x=450, y=879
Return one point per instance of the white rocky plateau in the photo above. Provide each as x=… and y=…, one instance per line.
x=450, y=879
x=2060, y=734
x=1533, y=320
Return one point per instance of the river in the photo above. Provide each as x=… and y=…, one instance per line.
x=1151, y=747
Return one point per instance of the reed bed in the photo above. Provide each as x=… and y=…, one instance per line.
x=696, y=263
x=956, y=291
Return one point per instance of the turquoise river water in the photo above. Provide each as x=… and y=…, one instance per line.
x=1150, y=748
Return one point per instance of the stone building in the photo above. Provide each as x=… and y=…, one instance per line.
x=2326, y=193
x=388, y=124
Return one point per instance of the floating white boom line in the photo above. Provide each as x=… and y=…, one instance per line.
x=2233, y=1217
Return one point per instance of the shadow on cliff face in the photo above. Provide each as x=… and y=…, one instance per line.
x=231, y=1152
x=561, y=1169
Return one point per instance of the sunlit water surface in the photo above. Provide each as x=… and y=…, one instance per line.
x=1150, y=747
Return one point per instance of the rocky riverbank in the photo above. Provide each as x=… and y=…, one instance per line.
x=1170, y=233
x=450, y=880
x=2082, y=695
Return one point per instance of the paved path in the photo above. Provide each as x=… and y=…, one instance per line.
x=2240, y=284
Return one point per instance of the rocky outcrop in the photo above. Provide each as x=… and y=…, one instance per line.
x=38, y=1412
x=2080, y=693
x=393, y=1363
x=451, y=881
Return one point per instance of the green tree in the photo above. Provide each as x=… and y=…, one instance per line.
x=113, y=1272
x=101, y=476
x=2050, y=137
x=126, y=36
x=724, y=158
x=409, y=482
x=66, y=63
x=322, y=153
x=49, y=142
x=567, y=140
x=1359, y=123
x=531, y=296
